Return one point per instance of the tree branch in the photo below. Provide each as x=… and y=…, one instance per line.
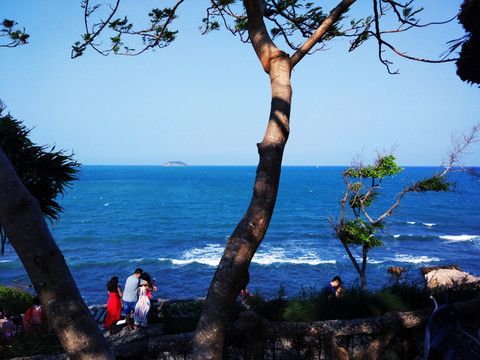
x=261, y=41
x=308, y=45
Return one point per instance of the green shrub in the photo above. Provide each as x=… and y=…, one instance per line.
x=354, y=304
x=14, y=301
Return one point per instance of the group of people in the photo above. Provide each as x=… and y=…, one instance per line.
x=135, y=296
x=32, y=323
x=138, y=291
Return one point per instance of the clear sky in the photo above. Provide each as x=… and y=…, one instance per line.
x=205, y=100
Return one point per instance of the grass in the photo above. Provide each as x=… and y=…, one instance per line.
x=35, y=345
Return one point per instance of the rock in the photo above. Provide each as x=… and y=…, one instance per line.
x=449, y=278
x=397, y=271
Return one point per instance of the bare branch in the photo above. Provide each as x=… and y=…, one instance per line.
x=404, y=20
x=459, y=145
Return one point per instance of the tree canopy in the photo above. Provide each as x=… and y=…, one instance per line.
x=46, y=173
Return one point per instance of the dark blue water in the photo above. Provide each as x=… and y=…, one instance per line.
x=174, y=223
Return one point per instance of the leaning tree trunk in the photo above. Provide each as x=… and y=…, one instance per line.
x=25, y=227
x=231, y=275
x=232, y=272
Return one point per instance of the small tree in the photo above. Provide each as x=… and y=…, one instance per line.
x=45, y=174
x=356, y=227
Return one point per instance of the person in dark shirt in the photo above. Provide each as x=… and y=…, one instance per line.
x=334, y=289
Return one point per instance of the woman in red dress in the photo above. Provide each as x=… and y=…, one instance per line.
x=114, y=305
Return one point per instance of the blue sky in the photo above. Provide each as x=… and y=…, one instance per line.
x=205, y=99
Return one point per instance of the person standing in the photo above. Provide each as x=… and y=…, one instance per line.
x=35, y=320
x=130, y=296
x=114, y=305
x=143, y=305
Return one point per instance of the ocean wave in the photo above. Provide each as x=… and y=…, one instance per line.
x=209, y=262
x=6, y=261
x=268, y=259
x=429, y=224
x=212, y=253
x=415, y=236
x=459, y=237
x=414, y=259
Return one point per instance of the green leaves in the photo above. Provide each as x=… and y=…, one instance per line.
x=385, y=166
x=361, y=233
x=241, y=24
x=45, y=173
x=16, y=37
x=357, y=200
x=409, y=14
x=120, y=31
x=434, y=183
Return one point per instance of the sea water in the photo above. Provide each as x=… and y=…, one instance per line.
x=174, y=223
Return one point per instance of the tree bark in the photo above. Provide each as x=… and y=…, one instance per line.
x=231, y=275
x=23, y=222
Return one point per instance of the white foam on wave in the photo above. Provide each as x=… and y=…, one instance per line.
x=270, y=258
x=415, y=259
x=429, y=224
x=209, y=262
x=211, y=254
x=411, y=222
x=459, y=237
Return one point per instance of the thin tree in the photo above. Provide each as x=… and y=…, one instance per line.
x=304, y=28
x=356, y=227
x=31, y=178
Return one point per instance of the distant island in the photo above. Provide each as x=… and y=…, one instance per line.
x=175, y=163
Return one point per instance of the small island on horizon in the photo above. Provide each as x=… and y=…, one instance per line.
x=175, y=163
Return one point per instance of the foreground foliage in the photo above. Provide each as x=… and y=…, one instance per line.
x=14, y=301
x=355, y=303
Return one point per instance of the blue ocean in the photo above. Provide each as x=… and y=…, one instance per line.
x=174, y=223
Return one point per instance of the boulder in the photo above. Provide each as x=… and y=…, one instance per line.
x=449, y=278
x=396, y=271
